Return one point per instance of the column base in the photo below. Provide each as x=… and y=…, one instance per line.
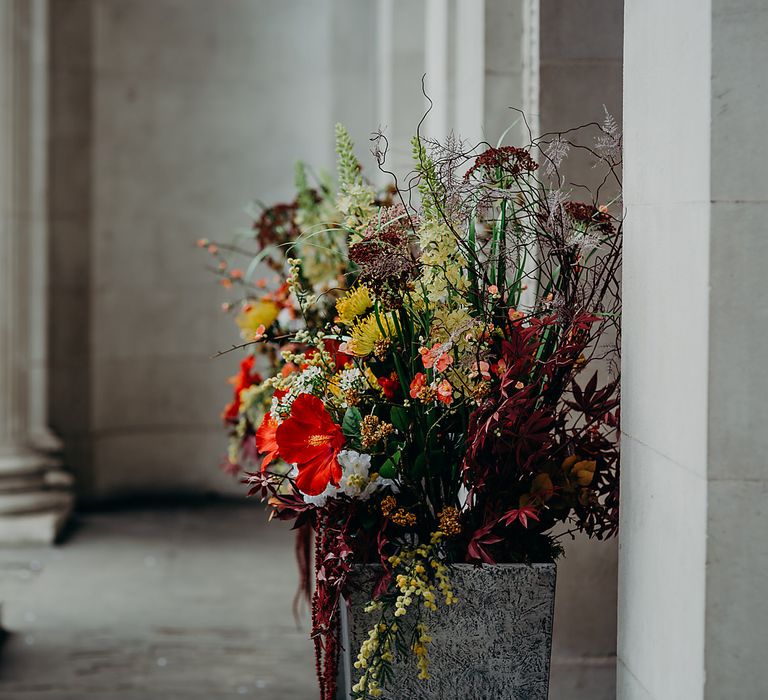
x=35, y=497
x=42, y=527
x=46, y=441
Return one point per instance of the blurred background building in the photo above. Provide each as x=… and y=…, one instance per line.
x=131, y=128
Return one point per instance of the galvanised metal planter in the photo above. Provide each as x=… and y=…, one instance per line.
x=494, y=644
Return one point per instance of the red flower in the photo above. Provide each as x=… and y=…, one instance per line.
x=245, y=378
x=389, y=385
x=266, y=440
x=310, y=439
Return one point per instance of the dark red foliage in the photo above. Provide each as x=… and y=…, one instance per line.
x=538, y=416
x=477, y=549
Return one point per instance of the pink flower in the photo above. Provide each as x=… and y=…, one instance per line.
x=445, y=392
x=481, y=369
x=236, y=274
x=493, y=289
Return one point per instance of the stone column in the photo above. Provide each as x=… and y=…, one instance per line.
x=693, y=558
x=34, y=498
x=41, y=434
x=437, y=49
x=511, y=66
x=400, y=63
x=469, y=92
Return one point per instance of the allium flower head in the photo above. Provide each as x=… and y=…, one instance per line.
x=501, y=163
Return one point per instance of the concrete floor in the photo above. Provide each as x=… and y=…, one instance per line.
x=156, y=605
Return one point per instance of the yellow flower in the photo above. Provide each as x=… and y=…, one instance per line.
x=368, y=332
x=353, y=304
x=584, y=471
x=255, y=314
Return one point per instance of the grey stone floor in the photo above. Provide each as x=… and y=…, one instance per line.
x=156, y=605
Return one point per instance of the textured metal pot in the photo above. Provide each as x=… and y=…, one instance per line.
x=494, y=644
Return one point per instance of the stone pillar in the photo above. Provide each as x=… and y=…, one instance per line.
x=400, y=62
x=511, y=70
x=41, y=435
x=437, y=48
x=34, y=498
x=693, y=560
x=469, y=92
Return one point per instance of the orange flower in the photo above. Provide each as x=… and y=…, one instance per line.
x=310, y=439
x=266, y=440
x=436, y=357
x=247, y=377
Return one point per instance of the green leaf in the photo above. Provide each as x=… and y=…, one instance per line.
x=399, y=419
x=419, y=466
x=389, y=468
x=350, y=426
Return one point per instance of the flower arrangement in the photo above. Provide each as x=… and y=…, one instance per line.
x=449, y=407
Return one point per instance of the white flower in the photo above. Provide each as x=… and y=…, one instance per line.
x=320, y=500
x=307, y=382
x=355, y=467
x=355, y=479
x=352, y=380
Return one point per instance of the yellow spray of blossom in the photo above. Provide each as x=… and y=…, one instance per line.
x=419, y=576
x=353, y=304
x=255, y=314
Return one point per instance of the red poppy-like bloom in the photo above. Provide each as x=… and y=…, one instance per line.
x=389, y=385
x=245, y=378
x=310, y=439
x=266, y=440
